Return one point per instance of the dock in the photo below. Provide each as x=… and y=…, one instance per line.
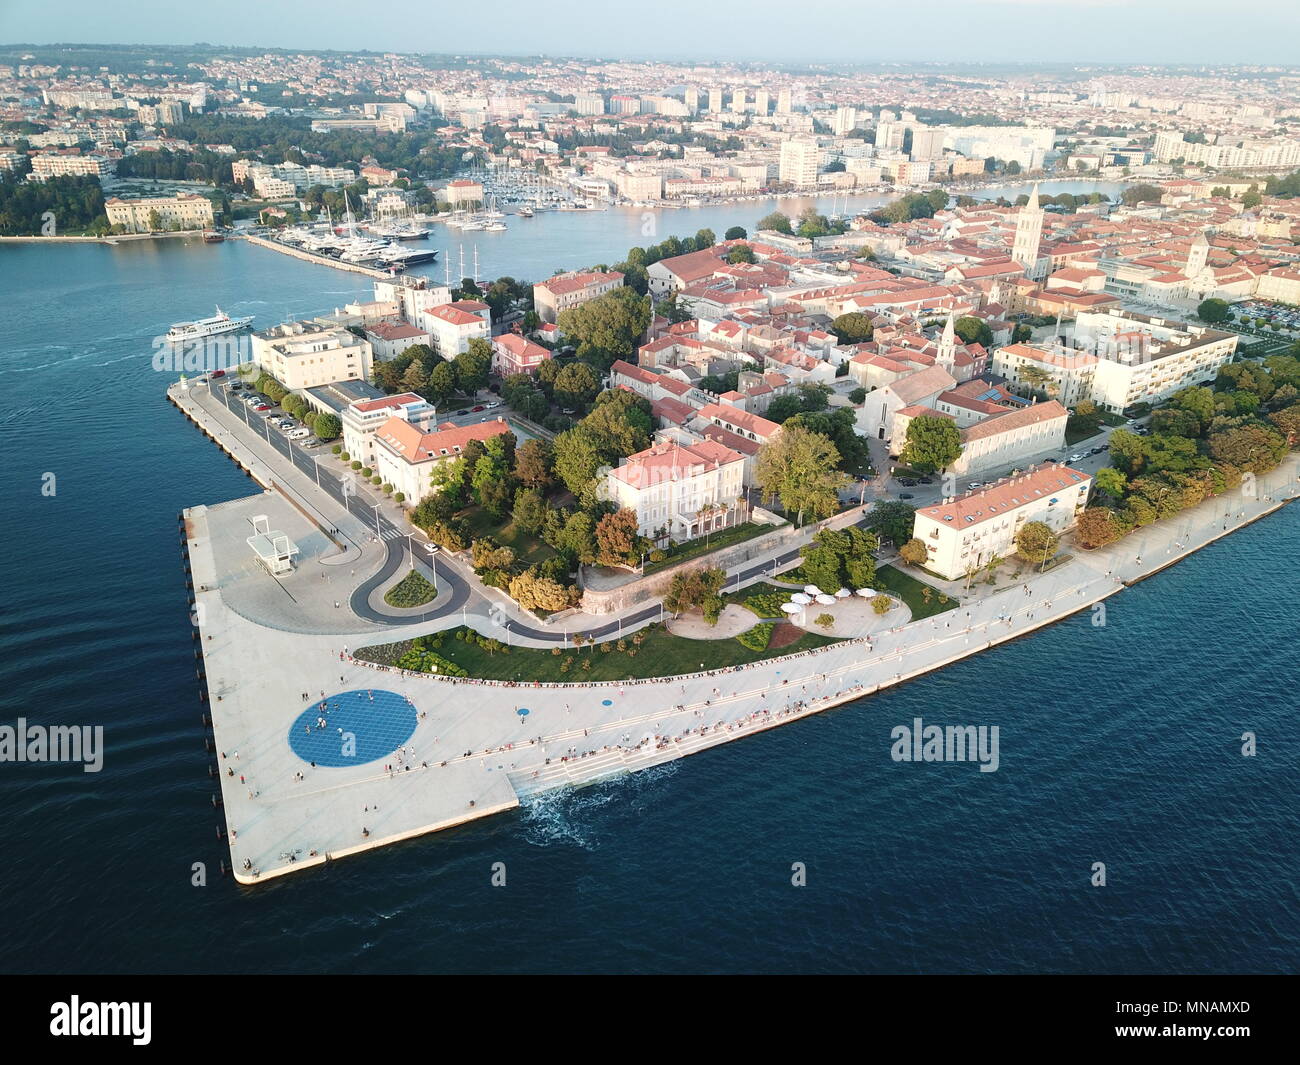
x=319, y=260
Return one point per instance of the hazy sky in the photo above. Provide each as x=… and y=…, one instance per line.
x=869, y=31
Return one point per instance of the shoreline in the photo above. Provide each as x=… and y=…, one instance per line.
x=473, y=759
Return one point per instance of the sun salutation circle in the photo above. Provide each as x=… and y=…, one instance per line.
x=352, y=728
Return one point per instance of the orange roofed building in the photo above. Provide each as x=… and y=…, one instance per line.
x=405, y=454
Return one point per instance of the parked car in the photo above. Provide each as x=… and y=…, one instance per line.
x=262, y=407
x=235, y=386
x=908, y=481
x=904, y=495
x=926, y=480
x=1076, y=458
x=491, y=406
x=974, y=485
x=218, y=373
x=475, y=410
x=433, y=549
x=300, y=433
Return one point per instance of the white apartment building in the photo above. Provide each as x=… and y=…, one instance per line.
x=680, y=492
x=1069, y=373
x=363, y=419
x=1141, y=359
x=970, y=530
x=300, y=355
x=47, y=165
x=801, y=159
x=453, y=325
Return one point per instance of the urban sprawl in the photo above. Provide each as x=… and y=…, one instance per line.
x=722, y=481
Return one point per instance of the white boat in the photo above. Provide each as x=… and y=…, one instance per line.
x=220, y=322
x=495, y=227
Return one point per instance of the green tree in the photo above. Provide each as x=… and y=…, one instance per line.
x=1213, y=310
x=1098, y=526
x=1112, y=482
x=576, y=385
x=973, y=331
x=914, y=553
x=932, y=443
x=777, y=222
x=533, y=463
x=529, y=513
x=607, y=328
x=801, y=469
x=1036, y=543
x=735, y=233
x=328, y=427
x=852, y=328
x=472, y=366
x=617, y=540
x=741, y=253
x=892, y=520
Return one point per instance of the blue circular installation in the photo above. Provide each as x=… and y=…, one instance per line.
x=523, y=711
x=607, y=702
x=360, y=727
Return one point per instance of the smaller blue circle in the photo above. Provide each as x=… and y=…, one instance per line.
x=360, y=726
x=606, y=702
x=522, y=711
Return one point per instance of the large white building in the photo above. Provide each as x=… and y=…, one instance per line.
x=1063, y=374
x=302, y=355
x=361, y=420
x=680, y=492
x=801, y=159
x=453, y=325
x=187, y=211
x=1141, y=359
x=967, y=532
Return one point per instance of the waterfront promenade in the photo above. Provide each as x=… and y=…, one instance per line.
x=475, y=748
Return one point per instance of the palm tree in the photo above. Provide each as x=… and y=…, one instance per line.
x=705, y=514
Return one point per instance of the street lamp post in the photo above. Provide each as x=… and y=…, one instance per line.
x=375, y=507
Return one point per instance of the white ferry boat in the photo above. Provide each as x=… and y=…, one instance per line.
x=221, y=322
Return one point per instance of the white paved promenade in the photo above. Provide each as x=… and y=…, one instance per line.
x=475, y=751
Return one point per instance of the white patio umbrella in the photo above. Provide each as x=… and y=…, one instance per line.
x=811, y=589
x=843, y=593
x=801, y=599
x=791, y=608
x=826, y=600
x=865, y=592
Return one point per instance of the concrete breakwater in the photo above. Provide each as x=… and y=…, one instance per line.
x=319, y=260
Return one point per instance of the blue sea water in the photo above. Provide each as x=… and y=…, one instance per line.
x=1118, y=744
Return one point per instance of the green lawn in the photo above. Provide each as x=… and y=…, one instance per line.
x=737, y=534
x=411, y=590
x=660, y=655
x=912, y=592
x=527, y=548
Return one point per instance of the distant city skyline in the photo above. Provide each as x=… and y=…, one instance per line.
x=996, y=32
